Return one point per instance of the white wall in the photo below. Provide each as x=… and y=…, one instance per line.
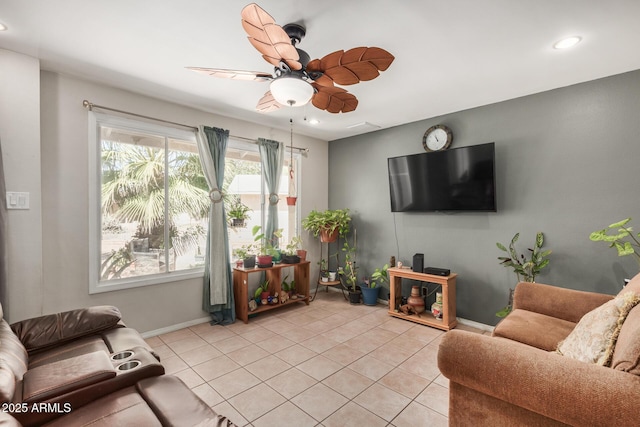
x=61, y=247
x=20, y=138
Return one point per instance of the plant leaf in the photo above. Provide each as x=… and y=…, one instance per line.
x=620, y=223
x=597, y=236
x=501, y=247
x=625, y=249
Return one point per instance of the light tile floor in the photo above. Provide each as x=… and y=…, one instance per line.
x=327, y=364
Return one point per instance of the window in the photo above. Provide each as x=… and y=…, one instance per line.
x=244, y=186
x=150, y=202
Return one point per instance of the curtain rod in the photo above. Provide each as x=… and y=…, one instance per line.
x=90, y=106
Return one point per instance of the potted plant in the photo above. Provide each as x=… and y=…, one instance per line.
x=267, y=250
x=328, y=224
x=290, y=256
x=324, y=270
x=237, y=213
x=262, y=292
x=349, y=272
x=370, y=292
x=247, y=254
x=526, y=269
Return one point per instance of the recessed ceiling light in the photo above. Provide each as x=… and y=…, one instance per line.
x=3, y=27
x=567, y=42
x=314, y=121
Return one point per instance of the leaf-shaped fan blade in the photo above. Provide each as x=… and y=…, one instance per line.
x=267, y=103
x=353, y=66
x=268, y=37
x=333, y=99
x=233, y=74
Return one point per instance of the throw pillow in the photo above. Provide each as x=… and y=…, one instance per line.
x=594, y=337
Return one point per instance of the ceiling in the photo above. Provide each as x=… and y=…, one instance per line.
x=450, y=55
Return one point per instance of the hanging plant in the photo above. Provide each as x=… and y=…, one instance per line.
x=293, y=195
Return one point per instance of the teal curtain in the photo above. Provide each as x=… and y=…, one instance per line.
x=272, y=159
x=218, y=282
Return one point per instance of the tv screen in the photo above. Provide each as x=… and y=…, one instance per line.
x=459, y=179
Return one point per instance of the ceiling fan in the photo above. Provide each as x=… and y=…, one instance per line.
x=296, y=79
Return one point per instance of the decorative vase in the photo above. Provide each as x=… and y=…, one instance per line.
x=332, y=276
x=302, y=253
x=415, y=300
x=436, y=307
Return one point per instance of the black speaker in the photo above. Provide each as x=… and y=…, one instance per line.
x=418, y=263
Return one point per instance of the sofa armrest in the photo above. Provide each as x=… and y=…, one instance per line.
x=554, y=386
x=562, y=303
x=58, y=378
x=52, y=329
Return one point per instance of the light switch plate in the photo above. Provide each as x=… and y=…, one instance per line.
x=17, y=200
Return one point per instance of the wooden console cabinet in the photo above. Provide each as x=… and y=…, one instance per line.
x=448, y=284
x=274, y=276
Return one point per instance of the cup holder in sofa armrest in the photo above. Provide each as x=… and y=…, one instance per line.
x=126, y=366
x=122, y=355
x=137, y=362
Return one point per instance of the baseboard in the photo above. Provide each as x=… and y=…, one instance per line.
x=476, y=325
x=176, y=327
x=460, y=320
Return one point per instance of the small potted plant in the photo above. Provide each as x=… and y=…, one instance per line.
x=266, y=248
x=262, y=292
x=247, y=254
x=349, y=272
x=237, y=213
x=290, y=256
x=370, y=292
x=328, y=224
x=324, y=270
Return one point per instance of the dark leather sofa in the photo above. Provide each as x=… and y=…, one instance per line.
x=85, y=367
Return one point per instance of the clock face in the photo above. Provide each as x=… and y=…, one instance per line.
x=437, y=138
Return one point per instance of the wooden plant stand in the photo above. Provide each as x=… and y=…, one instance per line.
x=274, y=276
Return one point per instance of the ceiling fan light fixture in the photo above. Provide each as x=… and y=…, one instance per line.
x=291, y=91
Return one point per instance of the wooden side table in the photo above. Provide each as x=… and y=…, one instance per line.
x=448, y=284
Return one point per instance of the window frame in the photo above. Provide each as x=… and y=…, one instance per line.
x=95, y=215
x=96, y=120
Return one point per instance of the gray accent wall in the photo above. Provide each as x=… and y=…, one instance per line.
x=566, y=165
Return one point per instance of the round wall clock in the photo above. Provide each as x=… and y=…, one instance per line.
x=437, y=138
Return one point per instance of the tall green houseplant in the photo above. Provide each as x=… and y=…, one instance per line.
x=526, y=269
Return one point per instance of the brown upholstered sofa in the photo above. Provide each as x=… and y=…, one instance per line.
x=86, y=367
x=515, y=377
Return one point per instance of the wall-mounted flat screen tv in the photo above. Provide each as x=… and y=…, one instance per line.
x=458, y=179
